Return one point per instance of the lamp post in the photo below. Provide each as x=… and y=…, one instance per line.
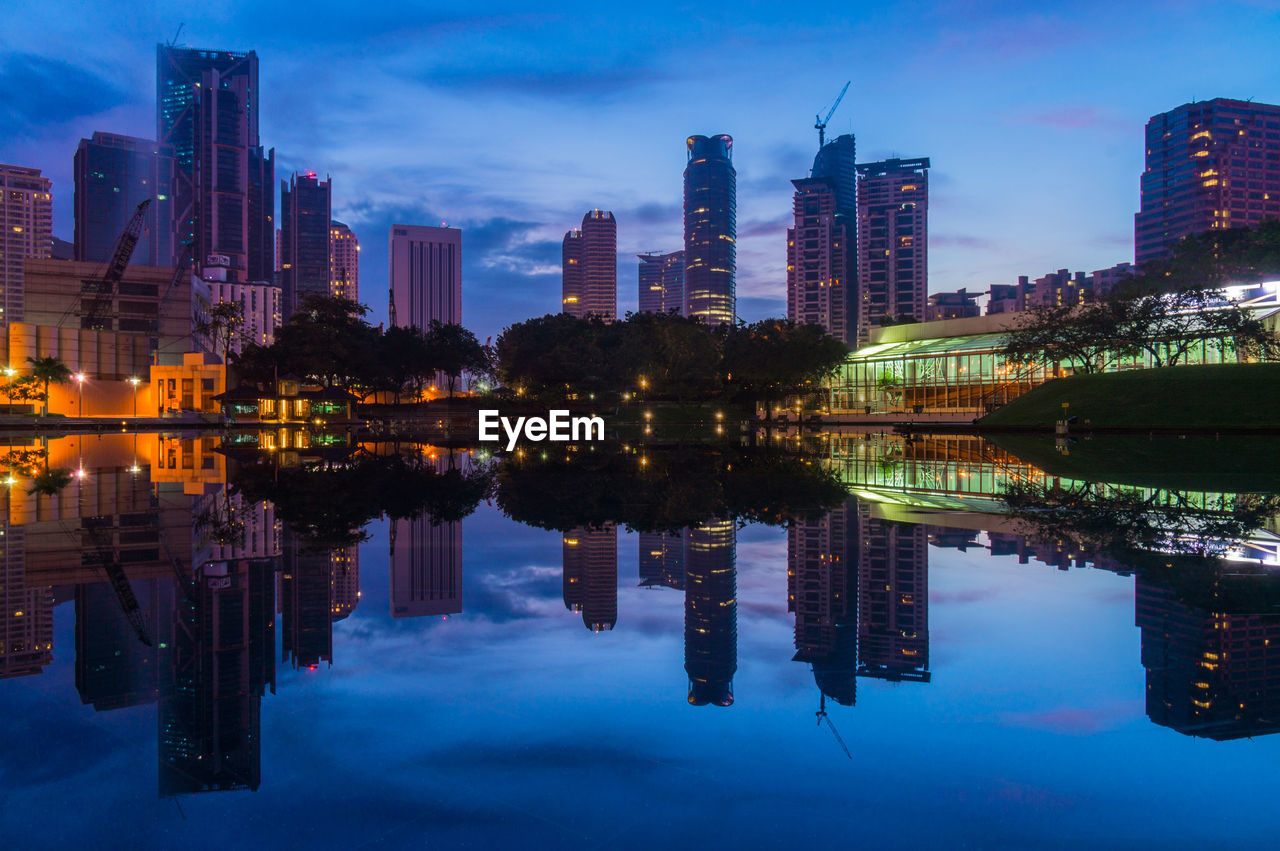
x=9, y=372
x=135, y=381
x=79, y=377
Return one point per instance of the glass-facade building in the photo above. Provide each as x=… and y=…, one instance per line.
x=661, y=278
x=113, y=175
x=710, y=229
x=305, y=205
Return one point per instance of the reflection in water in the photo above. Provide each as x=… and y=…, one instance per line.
x=711, y=612
x=591, y=575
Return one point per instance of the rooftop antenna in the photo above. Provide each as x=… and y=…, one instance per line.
x=820, y=123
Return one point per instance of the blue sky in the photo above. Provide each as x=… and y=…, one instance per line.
x=511, y=121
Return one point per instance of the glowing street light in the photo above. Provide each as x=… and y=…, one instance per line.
x=135, y=381
x=79, y=377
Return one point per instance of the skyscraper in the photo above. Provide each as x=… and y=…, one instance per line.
x=223, y=190
x=817, y=257
x=426, y=567
x=662, y=282
x=305, y=203
x=711, y=612
x=26, y=230
x=113, y=175
x=426, y=275
x=823, y=596
x=1209, y=164
x=837, y=161
x=590, y=582
x=589, y=267
x=344, y=262
x=710, y=229
x=893, y=237
x=893, y=598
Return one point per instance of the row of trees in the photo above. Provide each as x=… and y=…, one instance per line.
x=327, y=340
x=663, y=356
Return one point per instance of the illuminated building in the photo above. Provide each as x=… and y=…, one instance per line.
x=710, y=230
x=426, y=567
x=893, y=598
x=661, y=282
x=113, y=175
x=26, y=230
x=344, y=262
x=261, y=310
x=893, y=240
x=817, y=259
x=26, y=613
x=711, y=612
x=824, y=600
x=590, y=580
x=305, y=203
x=223, y=190
x=661, y=559
x=589, y=267
x=426, y=276
x=1209, y=165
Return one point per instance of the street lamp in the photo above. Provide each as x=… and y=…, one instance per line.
x=135, y=381
x=9, y=372
x=79, y=377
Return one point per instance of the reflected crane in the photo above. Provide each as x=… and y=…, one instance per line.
x=822, y=716
x=820, y=123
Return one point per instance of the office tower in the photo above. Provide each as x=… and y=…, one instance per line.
x=836, y=161
x=589, y=267
x=661, y=558
x=223, y=188
x=893, y=242
x=26, y=230
x=1209, y=165
x=590, y=578
x=344, y=262
x=817, y=259
x=662, y=282
x=710, y=229
x=426, y=567
x=113, y=175
x=824, y=600
x=711, y=612
x=893, y=598
x=114, y=667
x=305, y=204
x=26, y=613
x=426, y=276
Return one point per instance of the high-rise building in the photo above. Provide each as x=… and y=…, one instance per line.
x=426, y=567
x=661, y=560
x=662, y=282
x=822, y=594
x=26, y=230
x=837, y=162
x=711, y=612
x=344, y=262
x=426, y=276
x=223, y=189
x=893, y=599
x=114, y=667
x=893, y=242
x=113, y=175
x=1209, y=165
x=305, y=203
x=590, y=582
x=306, y=605
x=817, y=258
x=710, y=229
x=589, y=267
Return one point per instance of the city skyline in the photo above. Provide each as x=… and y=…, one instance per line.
x=981, y=103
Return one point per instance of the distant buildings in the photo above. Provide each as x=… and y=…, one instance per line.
x=893, y=237
x=661, y=282
x=817, y=258
x=26, y=230
x=426, y=275
x=344, y=262
x=305, y=204
x=956, y=305
x=1209, y=165
x=710, y=229
x=1056, y=288
x=113, y=175
x=589, y=267
x=223, y=192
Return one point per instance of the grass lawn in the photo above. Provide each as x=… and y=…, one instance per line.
x=1224, y=396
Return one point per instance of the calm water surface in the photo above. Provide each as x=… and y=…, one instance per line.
x=871, y=675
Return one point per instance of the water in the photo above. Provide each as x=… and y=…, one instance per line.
x=1002, y=692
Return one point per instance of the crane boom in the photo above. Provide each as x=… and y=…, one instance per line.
x=101, y=305
x=820, y=123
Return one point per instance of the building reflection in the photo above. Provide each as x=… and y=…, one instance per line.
x=711, y=612
x=822, y=593
x=661, y=560
x=590, y=574
x=426, y=558
x=893, y=598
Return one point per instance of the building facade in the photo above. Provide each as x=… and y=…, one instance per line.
x=26, y=230
x=590, y=580
x=1209, y=165
x=344, y=262
x=661, y=282
x=893, y=242
x=261, y=310
x=113, y=175
x=817, y=259
x=956, y=305
x=223, y=189
x=426, y=276
x=305, y=268
x=589, y=268
x=710, y=229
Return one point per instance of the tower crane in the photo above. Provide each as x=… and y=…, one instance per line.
x=820, y=123
x=101, y=304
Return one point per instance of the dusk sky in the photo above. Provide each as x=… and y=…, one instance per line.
x=511, y=121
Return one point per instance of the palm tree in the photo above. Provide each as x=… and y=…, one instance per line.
x=49, y=370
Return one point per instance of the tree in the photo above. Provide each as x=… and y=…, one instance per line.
x=768, y=359
x=1086, y=337
x=49, y=370
x=455, y=350
x=1167, y=326
x=223, y=320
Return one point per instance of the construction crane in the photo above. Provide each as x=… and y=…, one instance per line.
x=101, y=304
x=820, y=123
x=119, y=582
x=822, y=716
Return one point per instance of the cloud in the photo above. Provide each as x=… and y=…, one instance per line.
x=36, y=92
x=977, y=243
x=1076, y=118
x=571, y=84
